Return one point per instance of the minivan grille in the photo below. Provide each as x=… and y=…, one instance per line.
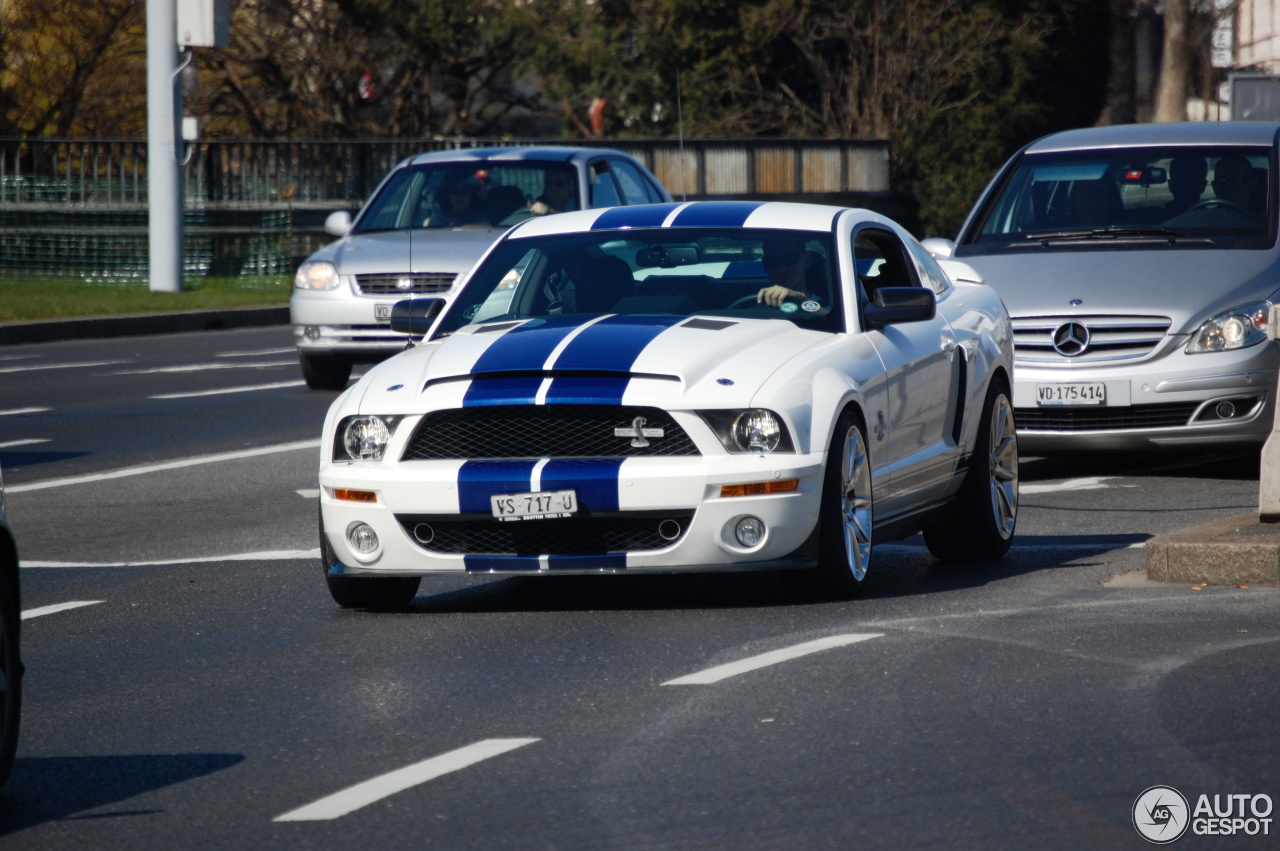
x=1168, y=415
x=1109, y=337
x=418, y=283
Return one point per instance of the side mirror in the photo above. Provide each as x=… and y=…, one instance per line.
x=414, y=316
x=940, y=248
x=338, y=223
x=892, y=305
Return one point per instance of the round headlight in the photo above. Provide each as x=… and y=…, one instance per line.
x=362, y=538
x=320, y=275
x=757, y=430
x=366, y=438
x=749, y=531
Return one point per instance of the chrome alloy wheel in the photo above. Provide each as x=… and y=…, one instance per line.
x=1002, y=466
x=855, y=503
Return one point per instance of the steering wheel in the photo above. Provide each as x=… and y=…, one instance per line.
x=1219, y=203
x=747, y=301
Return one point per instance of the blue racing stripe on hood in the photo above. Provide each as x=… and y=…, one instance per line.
x=479, y=480
x=594, y=479
x=724, y=214
x=643, y=216
x=613, y=343
x=501, y=391
x=587, y=390
x=528, y=346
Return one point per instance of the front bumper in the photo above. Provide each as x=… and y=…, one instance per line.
x=1171, y=401
x=648, y=487
x=337, y=322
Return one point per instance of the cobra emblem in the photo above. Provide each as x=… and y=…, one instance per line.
x=638, y=433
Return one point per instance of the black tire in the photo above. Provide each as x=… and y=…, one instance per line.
x=381, y=593
x=845, y=518
x=10, y=673
x=324, y=372
x=981, y=525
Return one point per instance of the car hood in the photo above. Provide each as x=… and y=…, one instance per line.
x=453, y=251
x=1188, y=286
x=657, y=360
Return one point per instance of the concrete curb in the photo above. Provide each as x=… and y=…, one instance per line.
x=52, y=330
x=1236, y=550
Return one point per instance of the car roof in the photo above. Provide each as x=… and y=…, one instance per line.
x=542, y=153
x=780, y=215
x=1184, y=133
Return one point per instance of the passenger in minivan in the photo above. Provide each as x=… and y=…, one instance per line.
x=1096, y=203
x=1188, y=177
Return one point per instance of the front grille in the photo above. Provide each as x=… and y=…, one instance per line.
x=1110, y=337
x=613, y=533
x=543, y=431
x=1169, y=415
x=417, y=283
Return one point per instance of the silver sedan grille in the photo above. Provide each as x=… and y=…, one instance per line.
x=419, y=283
x=1087, y=339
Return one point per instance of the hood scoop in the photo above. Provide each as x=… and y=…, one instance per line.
x=709, y=324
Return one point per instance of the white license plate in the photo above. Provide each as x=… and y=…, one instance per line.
x=382, y=311
x=539, y=505
x=1091, y=393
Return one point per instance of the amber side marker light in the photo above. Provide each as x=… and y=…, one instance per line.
x=354, y=495
x=758, y=488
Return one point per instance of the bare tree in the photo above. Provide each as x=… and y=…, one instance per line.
x=1175, y=63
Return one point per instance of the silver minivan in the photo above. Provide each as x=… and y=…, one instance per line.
x=1139, y=264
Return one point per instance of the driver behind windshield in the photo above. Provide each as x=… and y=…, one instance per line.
x=787, y=264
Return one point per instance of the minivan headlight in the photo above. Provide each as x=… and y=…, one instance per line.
x=1238, y=328
x=316, y=275
x=363, y=438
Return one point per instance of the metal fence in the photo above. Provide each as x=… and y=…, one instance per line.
x=79, y=206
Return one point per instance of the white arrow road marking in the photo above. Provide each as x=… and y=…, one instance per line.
x=1089, y=484
x=722, y=672
x=167, y=465
x=220, y=391
x=370, y=791
x=59, y=607
x=266, y=555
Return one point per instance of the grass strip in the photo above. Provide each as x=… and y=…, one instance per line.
x=30, y=299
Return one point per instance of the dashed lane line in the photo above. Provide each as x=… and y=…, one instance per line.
x=15, y=411
x=167, y=465
x=10, y=444
x=58, y=607
x=41, y=366
x=774, y=657
x=202, y=367
x=261, y=353
x=370, y=791
x=223, y=390
x=265, y=555
x=1085, y=484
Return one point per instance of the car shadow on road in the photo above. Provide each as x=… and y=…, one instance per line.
x=44, y=789
x=1243, y=466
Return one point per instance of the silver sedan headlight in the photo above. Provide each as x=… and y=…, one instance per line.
x=364, y=437
x=750, y=430
x=316, y=275
x=1240, y=328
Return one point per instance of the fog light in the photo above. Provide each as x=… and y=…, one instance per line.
x=1225, y=410
x=311, y=332
x=362, y=538
x=749, y=531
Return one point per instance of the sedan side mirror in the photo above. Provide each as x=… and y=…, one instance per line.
x=414, y=316
x=892, y=305
x=338, y=223
x=940, y=248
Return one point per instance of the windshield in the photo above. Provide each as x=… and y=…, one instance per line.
x=708, y=272
x=479, y=194
x=1191, y=196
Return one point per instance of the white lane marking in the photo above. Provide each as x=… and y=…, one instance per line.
x=59, y=607
x=1088, y=484
x=9, y=444
x=35, y=367
x=167, y=465
x=13, y=411
x=722, y=672
x=308, y=493
x=258, y=354
x=265, y=555
x=223, y=390
x=201, y=367
x=371, y=791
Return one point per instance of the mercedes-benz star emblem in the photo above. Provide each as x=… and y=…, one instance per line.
x=1071, y=339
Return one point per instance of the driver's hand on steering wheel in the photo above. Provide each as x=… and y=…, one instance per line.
x=775, y=295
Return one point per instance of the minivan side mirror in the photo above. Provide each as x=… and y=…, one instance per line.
x=338, y=223
x=892, y=305
x=414, y=316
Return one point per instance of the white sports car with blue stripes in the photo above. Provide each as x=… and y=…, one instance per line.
x=678, y=387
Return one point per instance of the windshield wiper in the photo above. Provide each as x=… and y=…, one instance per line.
x=1105, y=233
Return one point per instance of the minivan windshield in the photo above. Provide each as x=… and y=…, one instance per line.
x=469, y=194
x=1215, y=196
x=652, y=272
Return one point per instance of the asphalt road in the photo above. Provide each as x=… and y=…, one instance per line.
x=191, y=685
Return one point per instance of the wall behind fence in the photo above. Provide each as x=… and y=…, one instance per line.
x=79, y=207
